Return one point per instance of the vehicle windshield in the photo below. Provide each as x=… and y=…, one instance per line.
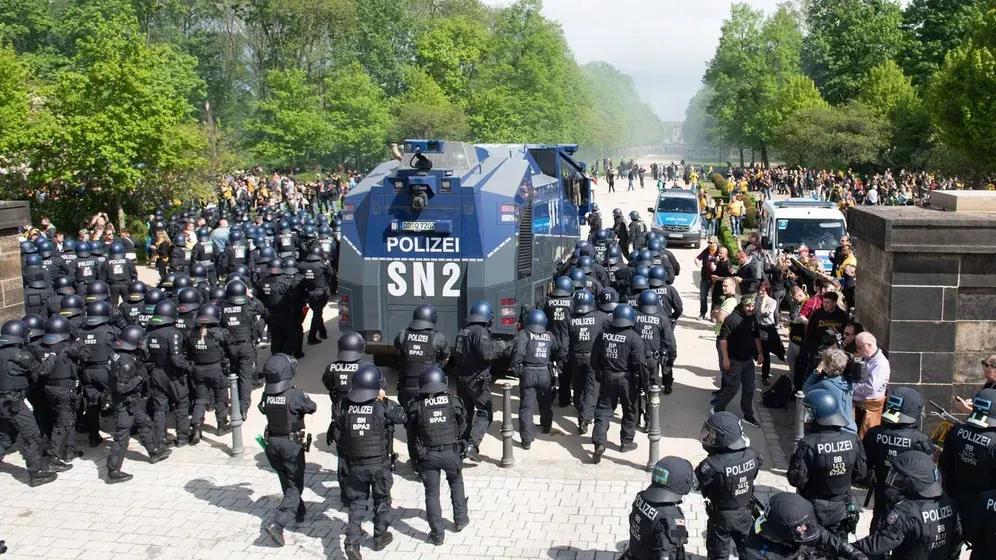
x=818, y=235
x=678, y=205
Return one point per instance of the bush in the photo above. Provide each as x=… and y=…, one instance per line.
x=719, y=182
x=727, y=239
x=750, y=218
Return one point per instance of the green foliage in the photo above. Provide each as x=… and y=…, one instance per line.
x=619, y=118
x=846, y=39
x=290, y=126
x=423, y=111
x=14, y=106
x=932, y=29
x=887, y=90
x=699, y=123
x=833, y=137
x=359, y=114
x=719, y=182
x=962, y=98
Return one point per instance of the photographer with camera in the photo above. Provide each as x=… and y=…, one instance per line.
x=836, y=373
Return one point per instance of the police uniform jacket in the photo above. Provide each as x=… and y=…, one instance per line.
x=18, y=370
x=882, y=443
x=475, y=350
x=361, y=429
x=437, y=422
x=619, y=351
x=726, y=478
x=918, y=529
x=532, y=355
x=657, y=531
x=420, y=350
x=285, y=411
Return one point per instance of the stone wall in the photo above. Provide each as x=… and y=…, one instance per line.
x=927, y=291
x=12, y=216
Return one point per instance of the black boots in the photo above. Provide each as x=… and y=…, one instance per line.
x=39, y=478
x=195, y=434
x=381, y=542
x=56, y=465
x=114, y=477
x=276, y=532
x=160, y=454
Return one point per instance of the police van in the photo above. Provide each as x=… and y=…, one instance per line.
x=677, y=217
x=785, y=225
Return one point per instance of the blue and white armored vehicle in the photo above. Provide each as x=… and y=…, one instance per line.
x=452, y=223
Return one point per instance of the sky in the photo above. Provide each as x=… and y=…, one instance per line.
x=664, y=44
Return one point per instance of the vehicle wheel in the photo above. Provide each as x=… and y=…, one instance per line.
x=696, y=245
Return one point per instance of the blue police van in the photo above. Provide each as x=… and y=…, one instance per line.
x=677, y=217
x=453, y=223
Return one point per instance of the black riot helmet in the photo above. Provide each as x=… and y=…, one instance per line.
x=199, y=272
x=634, y=215
x=33, y=259
x=13, y=332
x=165, y=313
x=822, y=408
x=642, y=270
x=132, y=338
x=658, y=276
x=351, y=346
x=586, y=264
x=166, y=284
x=208, y=315
x=903, y=406
x=57, y=329
x=623, y=316
x=290, y=266
x=432, y=381
x=237, y=292
x=36, y=326
x=582, y=302
x=71, y=305
x=639, y=283
x=983, y=409
x=723, y=430
x=276, y=267
x=28, y=248
x=645, y=258
x=366, y=384
x=671, y=479
x=98, y=290
x=98, y=312
x=578, y=277
x=601, y=237
x=586, y=250
x=563, y=286
x=69, y=246
x=608, y=299
x=242, y=270
x=97, y=248
x=423, y=318
x=182, y=281
x=914, y=474
x=217, y=296
x=315, y=253
x=137, y=291
x=617, y=213
x=266, y=254
x=649, y=302
x=613, y=255
x=152, y=298
x=279, y=371
x=189, y=299
x=82, y=250
x=63, y=285
x=654, y=245
x=45, y=248
x=116, y=249
x=535, y=321
x=481, y=313
x=788, y=519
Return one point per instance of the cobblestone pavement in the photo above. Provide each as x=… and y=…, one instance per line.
x=204, y=503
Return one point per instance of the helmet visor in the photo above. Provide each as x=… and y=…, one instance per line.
x=708, y=437
x=810, y=413
x=893, y=409
x=897, y=480
x=980, y=416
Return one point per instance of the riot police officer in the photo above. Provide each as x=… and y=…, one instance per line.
x=825, y=463
x=69, y=255
x=63, y=287
x=18, y=370
x=236, y=253
x=726, y=480
x=637, y=231
x=657, y=524
x=118, y=272
x=968, y=459
x=318, y=276
x=607, y=299
x=239, y=320
x=594, y=222
x=72, y=308
x=127, y=382
x=152, y=298
x=168, y=387
x=37, y=290
x=337, y=379
x=613, y=264
x=285, y=407
x=85, y=268
x=925, y=523
x=96, y=343
x=473, y=353
x=296, y=298
x=557, y=307
x=617, y=358
x=134, y=302
x=286, y=242
x=61, y=357
x=204, y=253
x=668, y=294
x=533, y=355
x=188, y=301
x=658, y=341
x=275, y=293
x=180, y=255
x=591, y=282
x=620, y=229
x=583, y=329
x=199, y=281
x=361, y=428
x=420, y=346
x=52, y=262
x=788, y=529
x=209, y=347
x=655, y=246
x=437, y=422
x=897, y=433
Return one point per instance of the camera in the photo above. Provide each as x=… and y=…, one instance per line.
x=855, y=370
x=419, y=196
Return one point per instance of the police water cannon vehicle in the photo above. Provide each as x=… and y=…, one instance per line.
x=453, y=223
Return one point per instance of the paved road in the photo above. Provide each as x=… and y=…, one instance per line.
x=204, y=503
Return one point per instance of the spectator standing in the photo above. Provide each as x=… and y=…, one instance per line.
x=707, y=260
x=750, y=274
x=869, y=394
x=740, y=347
x=989, y=373
x=766, y=310
x=829, y=376
x=220, y=236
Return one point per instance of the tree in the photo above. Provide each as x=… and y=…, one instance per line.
x=619, y=118
x=14, y=106
x=962, y=97
x=359, y=114
x=451, y=52
x=846, y=39
x=423, y=111
x=932, y=28
x=697, y=128
x=121, y=112
x=850, y=135
x=886, y=89
x=290, y=126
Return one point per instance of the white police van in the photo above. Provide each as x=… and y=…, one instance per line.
x=785, y=225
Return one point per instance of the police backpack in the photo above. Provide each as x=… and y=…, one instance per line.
x=779, y=394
